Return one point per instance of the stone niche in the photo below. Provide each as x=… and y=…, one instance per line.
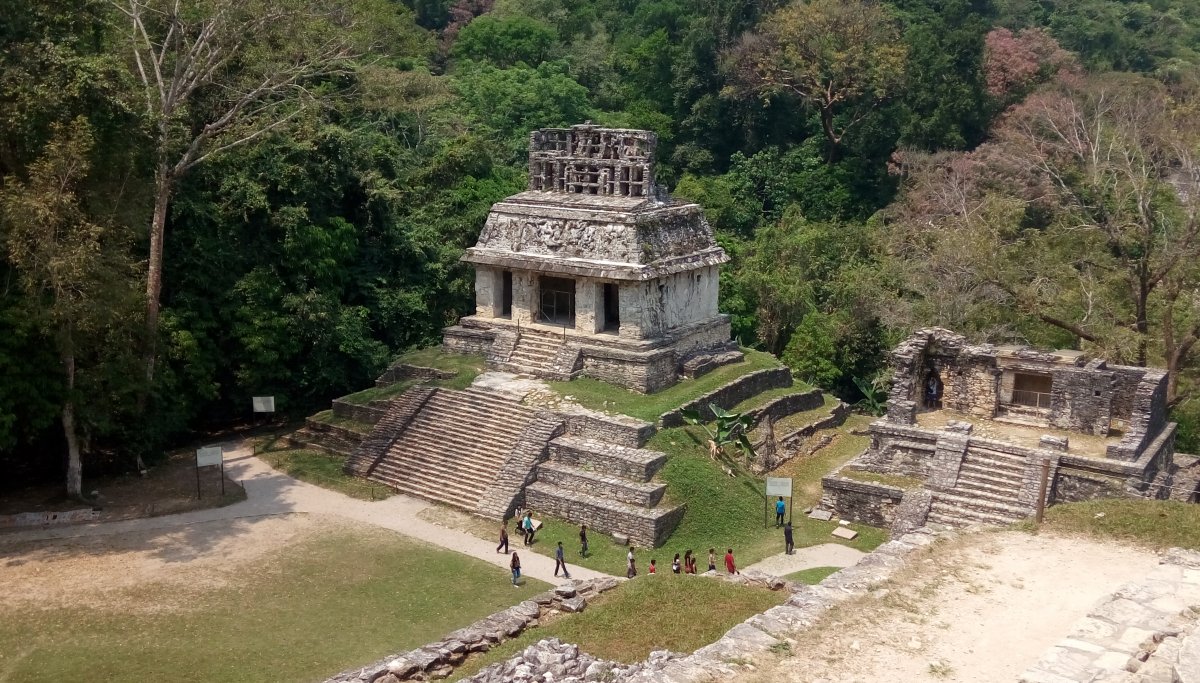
x=594, y=257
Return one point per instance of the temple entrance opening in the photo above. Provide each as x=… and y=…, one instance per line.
x=612, y=307
x=557, y=301
x=506, y=295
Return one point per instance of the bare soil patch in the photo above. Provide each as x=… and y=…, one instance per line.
x=980, y=609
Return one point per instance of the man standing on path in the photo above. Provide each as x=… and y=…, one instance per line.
x=560, y=562
x=631, y=569
x=780, y=508
x=788, y=545
x=583, y=540
x=503, y=547
x=730, y=566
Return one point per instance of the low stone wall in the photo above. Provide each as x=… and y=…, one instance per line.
x=603, y=486
x=620, y=461
x=467, y=340
x=860, y=501
x=438, y=659
x=620, y=430
x=402, y=371
x=368, y=414
x=645, y=373
x=788, y=405
x=793, y=440
x=731, y=394
x=644, y=527
x=323, y=436
x=704, y=362
x=507, y=492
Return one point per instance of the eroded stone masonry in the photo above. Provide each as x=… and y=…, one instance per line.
x=978, y=424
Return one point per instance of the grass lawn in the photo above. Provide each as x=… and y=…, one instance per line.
x=603, y=396
x=468, y=368
x=327, y=417
x=339, y=599
x=1158, y=524
x=811, y=576
x=677, y=613
x=723, y=512
x=324, y=470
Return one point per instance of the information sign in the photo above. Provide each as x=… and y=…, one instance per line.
x=779, y=486
x=264, y=404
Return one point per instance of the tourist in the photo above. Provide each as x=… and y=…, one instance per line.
x=560, y=562
x=631, y=568
x=653, y=566
x=780, y=508
x=689, y=562
x=503, y=547
x=583, y=540
x=675, y=565
x=712, y=560
x=516, y=568
x=788, y=545
x=730, y=565
x=527, y=527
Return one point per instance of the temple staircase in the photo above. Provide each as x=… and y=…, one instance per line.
x=989, y=490
x=542, y=355
x=452, y=448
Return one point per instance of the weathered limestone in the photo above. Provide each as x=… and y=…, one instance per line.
x=595, y=258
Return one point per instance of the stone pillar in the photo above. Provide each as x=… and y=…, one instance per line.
x=589, y=306
x=631, y=302
x=525, y=296
x=485, y=292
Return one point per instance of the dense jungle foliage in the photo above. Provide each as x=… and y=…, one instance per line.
x=206, y=200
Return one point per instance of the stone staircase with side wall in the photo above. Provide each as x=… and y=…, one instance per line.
x=539, y=354
x=452, y=448
x=991, y=488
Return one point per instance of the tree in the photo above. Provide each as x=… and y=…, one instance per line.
x=842, y=58
x=75, y=272
x=219, y=74
x=505, y=42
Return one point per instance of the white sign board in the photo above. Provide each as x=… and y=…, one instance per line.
x=264, y=404
x=209, y=455
x=779, y=486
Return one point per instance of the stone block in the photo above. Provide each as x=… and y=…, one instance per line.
x=1054, y=443
x=1187, y=668
x=574, y=604
x=823, y=515
x=843, y=532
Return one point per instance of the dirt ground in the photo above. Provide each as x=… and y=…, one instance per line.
x=981, y=609
x=109, y=571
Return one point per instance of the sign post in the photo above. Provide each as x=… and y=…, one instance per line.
x=263, y=404
x=777, y=486
x=206, y=457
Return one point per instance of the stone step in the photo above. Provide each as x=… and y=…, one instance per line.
x=636, y=464
x=645, y=527
x=435, y=473
x=958, y=518
x=436, y=437
x=976, y=472
x=481, y=398
x=966, y=502
x=482, y=422
x=1005, y=491
x=565, y=476
x=437, y=491
x=539, y=341
x=529, y=362
x=996, y=458
x=451, y=456
x=985, y=493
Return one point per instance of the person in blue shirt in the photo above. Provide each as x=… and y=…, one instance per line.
x=780, y=508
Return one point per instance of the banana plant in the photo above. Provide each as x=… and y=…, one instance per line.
x=727, y=429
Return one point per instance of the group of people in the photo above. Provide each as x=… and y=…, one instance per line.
x=528, y=528
x=686, y=565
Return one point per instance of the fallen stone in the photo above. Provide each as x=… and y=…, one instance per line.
x=620, y=539
x=1187, y=669
x=823, y=515
x=843, y=532
x=402, y=668
x=565, y=591
x=574, y=604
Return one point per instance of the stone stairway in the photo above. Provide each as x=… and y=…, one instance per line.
x=535, y=353
x=606, y=486
x=454, y=446
x=988, y=491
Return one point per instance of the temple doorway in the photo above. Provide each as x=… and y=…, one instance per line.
x=557, y=301
x=612, y=307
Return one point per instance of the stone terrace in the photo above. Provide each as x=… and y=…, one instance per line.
x=1029, y=436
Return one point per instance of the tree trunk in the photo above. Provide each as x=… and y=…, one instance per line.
x=163, y=182
x=74, y=464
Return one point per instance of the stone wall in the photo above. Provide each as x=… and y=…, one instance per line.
x=438, y=659
x=609, y=458
x=645, y=373
x=402, y=371
x=507, y=492
x=902, y=449
x=729, y=395
x=860, y=501
x=640, y=494
x=788, y=405
x=644, y=527
x=619, y=430
x=1149, y=417
x=466, y=340
x=366, y=413
x=389, y=428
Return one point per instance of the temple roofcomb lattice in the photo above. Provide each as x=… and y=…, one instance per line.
x=586, y=159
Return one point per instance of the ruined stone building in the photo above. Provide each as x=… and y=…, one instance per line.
x=978, y=424
x=593, y=270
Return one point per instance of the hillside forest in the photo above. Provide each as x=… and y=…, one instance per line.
x=207, y=200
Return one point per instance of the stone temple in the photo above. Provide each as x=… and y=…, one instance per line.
x=593, y=271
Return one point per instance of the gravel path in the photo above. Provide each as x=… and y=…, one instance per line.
x=823, y=555
x=270, y=492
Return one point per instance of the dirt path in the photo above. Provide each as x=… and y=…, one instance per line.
x=823, y=555
x=979, y=611
x=269, y=492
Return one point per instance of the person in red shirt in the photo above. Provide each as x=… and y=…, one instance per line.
x=730, y=566
x=652, y=567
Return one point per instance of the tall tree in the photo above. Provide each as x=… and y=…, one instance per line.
x=218, y=74
x=75, y=271
x=842, y=58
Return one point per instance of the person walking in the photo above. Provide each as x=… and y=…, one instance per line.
x=583, y=540
x=712, y=560
x=689, y=562
x=788, y=545
x=676, y=566
x=503, y=547
x=730, y=565
x=560, y=562
x=527, y=527
x=780, y=508
x=630, y=568
x=515, y=565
